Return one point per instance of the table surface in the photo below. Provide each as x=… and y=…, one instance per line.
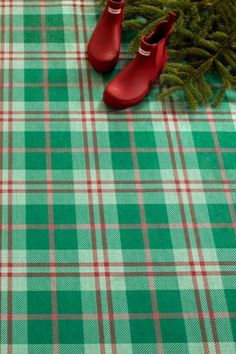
x=117, y=227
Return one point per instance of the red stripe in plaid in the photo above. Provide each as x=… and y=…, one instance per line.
x=49, y=178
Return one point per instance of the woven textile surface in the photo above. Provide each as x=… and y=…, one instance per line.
x=117, y=227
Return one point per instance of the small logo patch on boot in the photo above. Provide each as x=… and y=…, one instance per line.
x=144, y=52
x=114, y=11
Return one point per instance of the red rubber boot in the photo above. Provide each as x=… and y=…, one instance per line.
x=104, y=46
x=133, y=83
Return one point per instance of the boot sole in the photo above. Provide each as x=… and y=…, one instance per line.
x=110, y=102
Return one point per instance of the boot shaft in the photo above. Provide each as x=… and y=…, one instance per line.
x=114, y=11
x=153, y=47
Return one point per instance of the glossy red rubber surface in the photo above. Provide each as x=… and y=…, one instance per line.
x=133, y=83
x=104, y=46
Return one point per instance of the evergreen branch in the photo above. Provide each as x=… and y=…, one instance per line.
x=165, y=78
x=195, y=92
x=193, y=103
x=206, y=66
x=132, y=24
x=208, y=44
x=230, y=61
x=218, y=97
x=195, y=51
x=204, y=88
x=163, y=95
x=219, y=36
x=224, y=72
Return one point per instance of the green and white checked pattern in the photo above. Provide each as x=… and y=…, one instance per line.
x=117, y=227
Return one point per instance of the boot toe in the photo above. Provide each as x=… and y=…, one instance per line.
x=115, y=98
x=102, y=60
x=120, y=97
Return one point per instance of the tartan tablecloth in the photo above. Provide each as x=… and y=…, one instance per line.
x=117, y=227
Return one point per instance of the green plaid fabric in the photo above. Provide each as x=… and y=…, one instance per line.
x=117, y=227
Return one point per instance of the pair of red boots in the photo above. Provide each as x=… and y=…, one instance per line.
x=132, y=84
